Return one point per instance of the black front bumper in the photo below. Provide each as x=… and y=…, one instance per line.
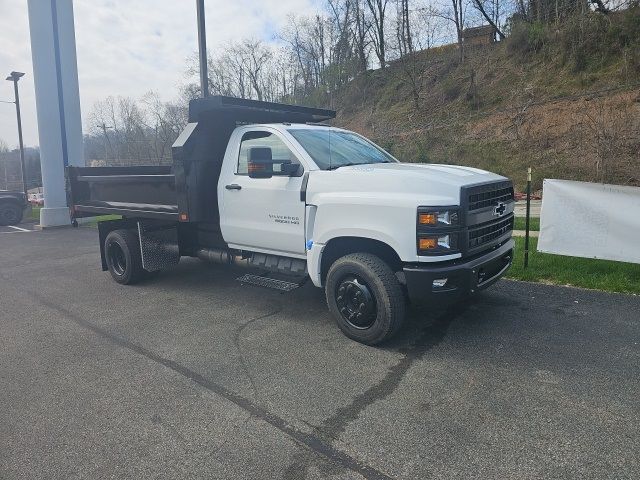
x=464, y=276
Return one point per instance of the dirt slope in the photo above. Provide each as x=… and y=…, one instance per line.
x=504, y=109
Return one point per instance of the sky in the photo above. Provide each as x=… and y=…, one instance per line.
x=129, y=47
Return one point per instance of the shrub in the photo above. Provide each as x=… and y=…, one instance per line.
x=583, y=40
x=451, y=88
x=629, y=30
x=527, y=37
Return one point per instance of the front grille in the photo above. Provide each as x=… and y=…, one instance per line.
x=484, y=233
x=488, y=195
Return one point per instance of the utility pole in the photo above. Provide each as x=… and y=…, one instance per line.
x=526, y=234
x=202, y=49
x=14, y=77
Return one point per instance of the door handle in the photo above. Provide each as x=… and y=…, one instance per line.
x=233, y=186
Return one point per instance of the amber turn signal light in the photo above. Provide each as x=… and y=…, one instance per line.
x=428, y=218
x=427, y=243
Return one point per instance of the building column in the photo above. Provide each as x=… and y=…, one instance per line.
x=55, y=72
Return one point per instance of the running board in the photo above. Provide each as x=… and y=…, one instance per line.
x=267, y=282
x=278, y=264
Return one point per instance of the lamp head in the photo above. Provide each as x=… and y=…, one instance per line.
x=15, y=76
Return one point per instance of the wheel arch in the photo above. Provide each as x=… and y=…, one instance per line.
x=340, y=246
x=107, y=226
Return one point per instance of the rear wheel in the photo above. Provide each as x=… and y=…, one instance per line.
x=10, y=214
x=365, y=297
x=124, y=259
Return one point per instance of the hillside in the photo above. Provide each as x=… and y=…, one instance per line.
x=563, y=100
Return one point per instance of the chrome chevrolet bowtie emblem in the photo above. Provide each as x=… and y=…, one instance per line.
x=499, y=210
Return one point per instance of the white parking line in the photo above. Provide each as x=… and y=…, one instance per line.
x=19, y=229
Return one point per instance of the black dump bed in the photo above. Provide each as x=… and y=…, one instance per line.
x=187, y=190
x=135, y=191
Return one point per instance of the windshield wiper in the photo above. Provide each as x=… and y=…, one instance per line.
x=351, y=164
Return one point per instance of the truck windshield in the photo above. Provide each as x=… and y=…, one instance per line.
x=331, y=149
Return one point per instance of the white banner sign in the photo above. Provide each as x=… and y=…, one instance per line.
x=591, y=220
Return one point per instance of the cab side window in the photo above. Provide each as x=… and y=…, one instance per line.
x=279, y=150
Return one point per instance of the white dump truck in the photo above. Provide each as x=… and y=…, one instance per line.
x=267, y=186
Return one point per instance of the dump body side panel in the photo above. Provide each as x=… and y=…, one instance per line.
x=147, y=192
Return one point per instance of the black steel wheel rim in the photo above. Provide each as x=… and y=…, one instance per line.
x=356, y=302
x=117, y=258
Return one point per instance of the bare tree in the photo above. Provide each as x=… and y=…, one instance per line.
x=4, y=149
x=255, y=58
x=453, y=12
x=600, y=6
x=492, y=19
x=341, y=19
x=458, y=20
x=126, y=131
x=607, y=125
x=378, y=9
x=164, y=121
x=428, y=29
x=403, y=28
x=360, y=34
x=310, y=48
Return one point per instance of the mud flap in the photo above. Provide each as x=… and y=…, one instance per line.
x=159, y=245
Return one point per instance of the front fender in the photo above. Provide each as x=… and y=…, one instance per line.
x=391, y=224
x=315, y=250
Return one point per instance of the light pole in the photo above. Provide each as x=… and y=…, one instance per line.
x=14, y=77
x=202, y=49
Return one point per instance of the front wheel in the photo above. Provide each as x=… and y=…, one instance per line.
x=365, y=297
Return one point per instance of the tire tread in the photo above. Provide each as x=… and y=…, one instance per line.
x=132, y=244
x=391, y=286
x=19, y=211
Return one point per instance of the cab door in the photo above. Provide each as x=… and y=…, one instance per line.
x=262, y=214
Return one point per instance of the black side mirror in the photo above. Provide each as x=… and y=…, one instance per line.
x=260, y=164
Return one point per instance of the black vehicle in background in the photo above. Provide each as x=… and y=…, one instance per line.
x=12, y=206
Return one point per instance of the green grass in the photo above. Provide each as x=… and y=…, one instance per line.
x=578, y=272
x=35, y=213
x=534, y=224
x=93, y=222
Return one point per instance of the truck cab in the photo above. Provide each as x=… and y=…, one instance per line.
x=304, y=199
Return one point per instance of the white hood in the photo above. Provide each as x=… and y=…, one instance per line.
x=409, y=183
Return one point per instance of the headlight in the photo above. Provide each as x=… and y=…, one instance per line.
x=438, y=230
x=437, y=243
x=437, y=217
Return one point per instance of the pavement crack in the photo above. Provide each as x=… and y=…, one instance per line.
x=241, y=355
x=310, y=441
x=428, y=339
x=334, y=426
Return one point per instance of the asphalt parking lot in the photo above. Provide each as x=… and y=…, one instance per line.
x=23, y=227
x=194, y=375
